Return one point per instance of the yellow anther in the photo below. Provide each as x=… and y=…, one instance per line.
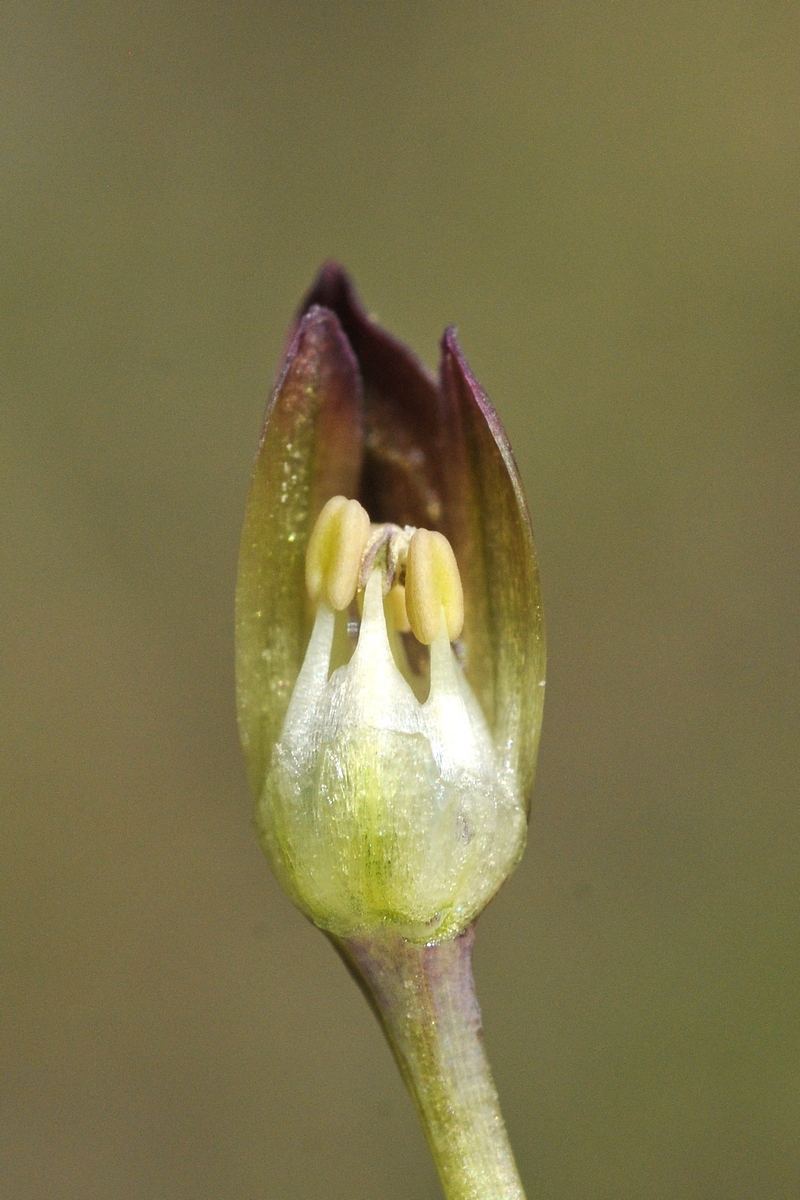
x=433, y=587
x=334, y=552
x=396, y=605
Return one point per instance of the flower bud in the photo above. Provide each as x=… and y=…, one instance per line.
x=390, y=650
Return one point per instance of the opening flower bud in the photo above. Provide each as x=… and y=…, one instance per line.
x=391, y=777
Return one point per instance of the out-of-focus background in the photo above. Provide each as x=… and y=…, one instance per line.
x=605, y=197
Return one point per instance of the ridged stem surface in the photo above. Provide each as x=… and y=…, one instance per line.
x=424, y=997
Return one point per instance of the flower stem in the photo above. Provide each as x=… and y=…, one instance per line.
x=424, y=997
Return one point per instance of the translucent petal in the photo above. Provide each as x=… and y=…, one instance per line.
x=503, y=624
x=310, y=450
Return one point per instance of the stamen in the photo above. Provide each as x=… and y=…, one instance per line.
x=396, y=604
x=334, y=552
x=434, y=596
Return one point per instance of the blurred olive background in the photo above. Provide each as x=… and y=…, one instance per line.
x=605, y=198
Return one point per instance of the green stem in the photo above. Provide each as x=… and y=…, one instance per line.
x=424, y=997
